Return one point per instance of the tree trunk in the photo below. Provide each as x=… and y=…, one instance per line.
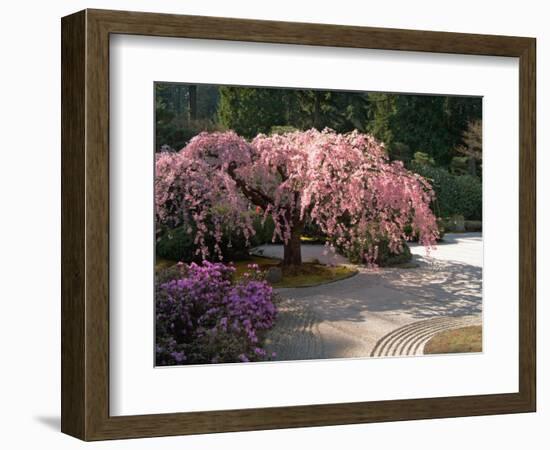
x=293, y=248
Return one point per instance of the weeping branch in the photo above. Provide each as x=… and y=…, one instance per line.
x=254, y=195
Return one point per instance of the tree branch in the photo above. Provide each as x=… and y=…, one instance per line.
x=254, y=195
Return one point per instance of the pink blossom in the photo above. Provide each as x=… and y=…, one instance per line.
x=342, y=182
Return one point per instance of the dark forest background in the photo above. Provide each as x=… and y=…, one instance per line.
x=438, y=136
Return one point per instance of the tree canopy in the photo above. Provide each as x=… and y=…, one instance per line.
x=344, y=183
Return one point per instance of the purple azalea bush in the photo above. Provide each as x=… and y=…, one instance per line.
x=204, y=316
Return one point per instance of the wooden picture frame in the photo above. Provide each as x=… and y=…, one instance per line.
x=85, y=224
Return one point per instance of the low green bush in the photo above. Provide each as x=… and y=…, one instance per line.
x=455, y=224
x=282, y=129
x=471, y=196
x=441, y=227
x=459, y=165
x=312, y=234
x=473, y=225
x=385, y=257
x=178, y=244
x=263, y=230
x=454, y=194
x=423, y=159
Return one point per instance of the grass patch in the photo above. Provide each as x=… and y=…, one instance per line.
x=308, y=274
x=460, y=340
x=163, y=263
x=312, y=240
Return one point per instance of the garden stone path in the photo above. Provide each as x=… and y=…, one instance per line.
x=381, y=312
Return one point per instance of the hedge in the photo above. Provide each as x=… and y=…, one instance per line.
x=178, y=244
x=385, y=257
x=454, y=194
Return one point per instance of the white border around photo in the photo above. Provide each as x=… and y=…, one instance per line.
x=137, y=387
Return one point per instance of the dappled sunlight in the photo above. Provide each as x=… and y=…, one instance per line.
x=431, y=290
x=438, y=288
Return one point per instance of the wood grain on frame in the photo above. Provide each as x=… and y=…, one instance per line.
x=85, y=224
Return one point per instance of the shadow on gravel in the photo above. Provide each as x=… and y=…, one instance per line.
x=445, y=289
x=436, y=289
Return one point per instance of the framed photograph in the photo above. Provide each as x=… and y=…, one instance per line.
x=272, y=225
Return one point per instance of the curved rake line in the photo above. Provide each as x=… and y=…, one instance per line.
x=403, y=340
x=389, y=339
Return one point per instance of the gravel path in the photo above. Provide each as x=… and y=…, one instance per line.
x=310, y=252
x=384, y=312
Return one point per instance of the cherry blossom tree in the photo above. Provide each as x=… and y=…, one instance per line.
x=344, y=183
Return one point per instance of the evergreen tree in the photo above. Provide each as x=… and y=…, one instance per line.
x=471, y=146
x=426, y=123
x=249, y=111
x=337, y=110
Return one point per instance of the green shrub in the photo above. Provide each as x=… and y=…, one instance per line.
x=459, y=165
x=264, y=231
x=423, y=159
x=471, y=197
x=473, y=225
x=282, y=129
x=444, y=186
x=385, y=258
x=178, y=244
x=399, y=151
x=313, y=233
x=455, y=224
x=454, y=194
x=441, y=227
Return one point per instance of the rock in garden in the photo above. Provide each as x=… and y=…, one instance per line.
x=274, y=274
